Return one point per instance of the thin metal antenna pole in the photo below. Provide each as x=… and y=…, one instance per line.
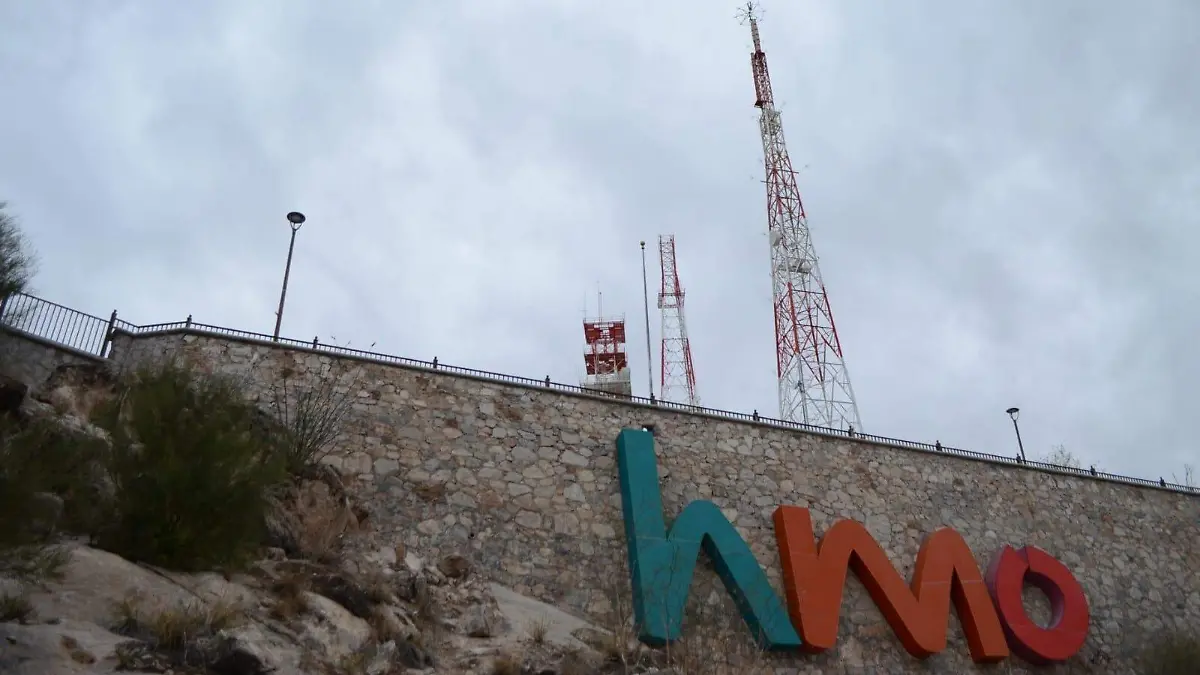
x=646, y=306
x=295, y=220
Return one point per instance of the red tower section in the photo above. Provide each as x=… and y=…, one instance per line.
x=604, y=357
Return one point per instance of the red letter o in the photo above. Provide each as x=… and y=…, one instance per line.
x=1069, y=616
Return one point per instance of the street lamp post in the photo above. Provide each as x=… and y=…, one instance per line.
x=295, y=220
x=1013, y=413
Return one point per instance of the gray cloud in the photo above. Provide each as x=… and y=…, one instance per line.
x=1003, y=196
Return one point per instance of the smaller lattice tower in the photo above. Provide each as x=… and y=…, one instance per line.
x=678, y=376
x=604, y=356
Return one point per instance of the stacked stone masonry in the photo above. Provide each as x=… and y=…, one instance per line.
x=524, y=482
x=32, y=359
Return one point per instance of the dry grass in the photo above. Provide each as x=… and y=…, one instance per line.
x=290, y=599
x=577, y=662
x=15, y=607
x=314, y=519
x=482, y=625
x=35, y=563
x=379, y=587
x=711, y=646
x=429, y=612
x=507, y=664
x=356, y=662
x=715, y=641
x=174, y=629
x=619, y=644
x=372, y=658
x=387, y=626
x=538, y=629
x=1174, y=654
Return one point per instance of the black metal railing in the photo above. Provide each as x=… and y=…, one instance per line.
x=113, y=325
x=56, y=323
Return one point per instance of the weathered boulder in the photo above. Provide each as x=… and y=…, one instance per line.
x=78, y=389
x=95, y=581
x=63, y=648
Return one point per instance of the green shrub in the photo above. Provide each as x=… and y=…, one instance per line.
x=1174, y=654
x=71, y=466
x=29, y=516
x=191, y=467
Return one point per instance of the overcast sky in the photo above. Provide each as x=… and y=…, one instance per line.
x=1004, y=196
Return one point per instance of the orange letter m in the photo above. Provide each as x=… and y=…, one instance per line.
x=814, y=577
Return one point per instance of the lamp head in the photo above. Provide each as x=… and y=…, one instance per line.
x=1013, y=412
x=296, y=219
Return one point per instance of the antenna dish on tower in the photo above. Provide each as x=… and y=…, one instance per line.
x=750, y=11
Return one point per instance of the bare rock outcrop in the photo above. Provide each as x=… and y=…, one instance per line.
x=328, y=597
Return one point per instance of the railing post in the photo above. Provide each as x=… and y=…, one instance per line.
x=108, y=334
x=3, y=306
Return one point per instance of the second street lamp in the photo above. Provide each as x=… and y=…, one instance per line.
x=1013, y=413
x=295, y=220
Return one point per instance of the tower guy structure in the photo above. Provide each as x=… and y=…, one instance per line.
x=814, y=385
x=604, y=356
x=678, y=376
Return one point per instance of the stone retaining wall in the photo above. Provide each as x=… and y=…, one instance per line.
x=524, y=482
x=31, y=359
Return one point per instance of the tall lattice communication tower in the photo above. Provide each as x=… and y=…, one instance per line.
x=814, y=385
x=678, y=376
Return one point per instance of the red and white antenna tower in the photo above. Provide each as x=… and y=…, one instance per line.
x=814, y=385
x=678, y=376
x=604, y=357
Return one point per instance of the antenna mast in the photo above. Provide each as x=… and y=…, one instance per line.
x=814, y=385
x=678, y=377
x=646, y=309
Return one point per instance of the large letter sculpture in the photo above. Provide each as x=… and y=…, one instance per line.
x=814, y=576
x=662, y=563
x=1007, y=575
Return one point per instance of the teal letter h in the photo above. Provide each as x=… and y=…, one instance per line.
x=662, y=563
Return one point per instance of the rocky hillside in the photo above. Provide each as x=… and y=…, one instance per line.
x=281, y=616
x=321, y=594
